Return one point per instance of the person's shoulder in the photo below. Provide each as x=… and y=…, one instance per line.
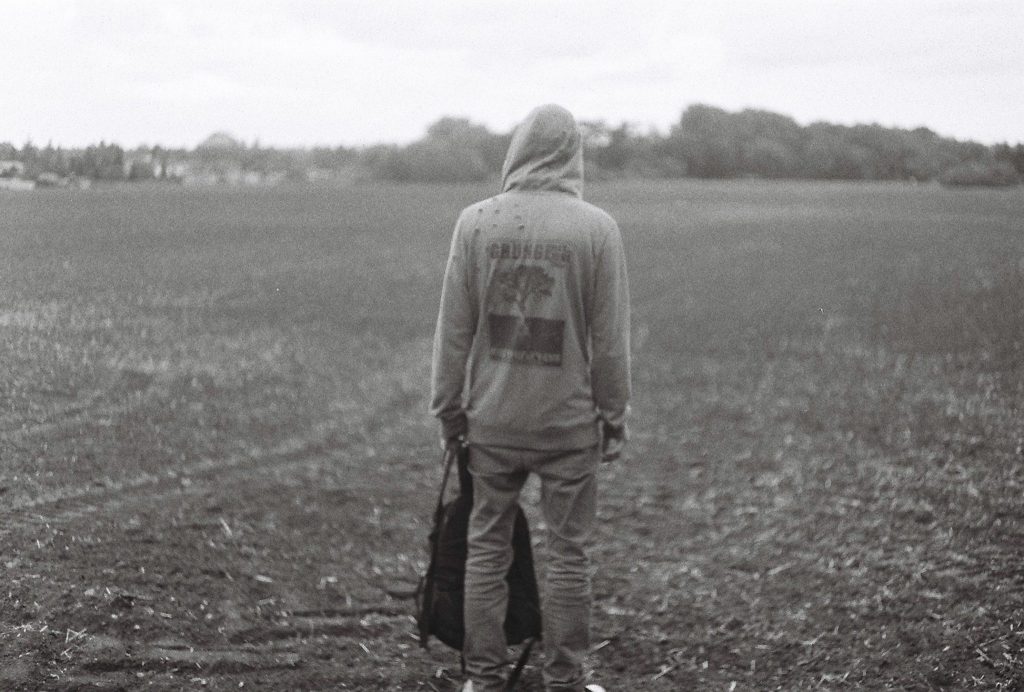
x=600, y=225
x=480, y=206
x=597, y=215
x=474, y=211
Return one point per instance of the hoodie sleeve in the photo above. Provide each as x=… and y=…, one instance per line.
x=453, y=338
x=609, y=332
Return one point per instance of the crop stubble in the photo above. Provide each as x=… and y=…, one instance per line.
x=216, y=467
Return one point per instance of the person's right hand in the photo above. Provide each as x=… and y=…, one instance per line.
x=613, y=441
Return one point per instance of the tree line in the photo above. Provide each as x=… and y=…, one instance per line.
x=709, y=142
x=706, y=142
x=109, y=161
x=99, y=162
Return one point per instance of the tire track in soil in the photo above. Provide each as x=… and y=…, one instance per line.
x=321, y=438
x=344, y=623
x=189, y=479
x=280, y=644
x=290, y=641
x=173, y=659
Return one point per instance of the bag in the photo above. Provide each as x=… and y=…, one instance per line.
x=439, y=597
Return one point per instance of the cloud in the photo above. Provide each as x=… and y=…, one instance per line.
x=352, y=71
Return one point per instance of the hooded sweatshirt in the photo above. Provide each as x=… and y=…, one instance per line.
x=531, y=348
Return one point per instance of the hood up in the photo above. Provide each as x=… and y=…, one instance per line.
x=546, y=153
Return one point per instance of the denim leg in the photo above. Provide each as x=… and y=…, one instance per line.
x=498, y=478
x=569, y=502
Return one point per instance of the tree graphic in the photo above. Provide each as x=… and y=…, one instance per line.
x=521, y=285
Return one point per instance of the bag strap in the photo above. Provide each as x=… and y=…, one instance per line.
x=465, y=477
x=449, y=457
x=524, y=656
x=426, y=587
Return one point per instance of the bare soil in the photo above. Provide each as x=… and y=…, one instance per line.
x=216, y=469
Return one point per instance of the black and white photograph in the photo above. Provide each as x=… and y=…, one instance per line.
x=464, y=346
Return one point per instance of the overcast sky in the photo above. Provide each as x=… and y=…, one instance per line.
x=304, y=72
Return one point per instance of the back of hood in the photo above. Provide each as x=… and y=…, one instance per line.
x=546, y=153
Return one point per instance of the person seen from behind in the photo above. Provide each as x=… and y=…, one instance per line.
x=531, y=369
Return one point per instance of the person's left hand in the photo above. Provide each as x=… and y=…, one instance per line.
x=450, y=446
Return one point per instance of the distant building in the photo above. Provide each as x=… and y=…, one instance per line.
x=11, y=173
x=17, y=184
x=140, y=164
x=221, y=159
x=49, y=179
x=12, y=169
x=226, y=173
x=175, y=169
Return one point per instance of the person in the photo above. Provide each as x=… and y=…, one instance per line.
x=531, y=369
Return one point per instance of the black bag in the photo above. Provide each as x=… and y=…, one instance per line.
x=439, y=598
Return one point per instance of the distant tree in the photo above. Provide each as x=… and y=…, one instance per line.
x=220, y=142
x=380, y=161
x=50, y=159
x=828, y=154
x=453, y=150
x=332, y=159
x=1011, y=155
x=463, y=134
x=29, y=155
x=140, y=170
x=437, y=160
x=102, y=161
x=766, y=157
x=991, y=173
x=620, y=149
x=626, y=151
x=769, y=144
x=706, y=141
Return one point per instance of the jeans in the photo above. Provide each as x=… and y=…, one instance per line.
x=568, y=501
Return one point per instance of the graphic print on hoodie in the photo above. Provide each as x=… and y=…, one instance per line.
x=524, y=277
x=532, y=341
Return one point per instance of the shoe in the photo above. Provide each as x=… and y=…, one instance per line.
x=593, y=687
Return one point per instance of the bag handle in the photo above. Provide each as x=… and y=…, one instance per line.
x=449, y=456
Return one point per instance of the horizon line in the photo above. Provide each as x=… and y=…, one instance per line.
x=648, y=127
